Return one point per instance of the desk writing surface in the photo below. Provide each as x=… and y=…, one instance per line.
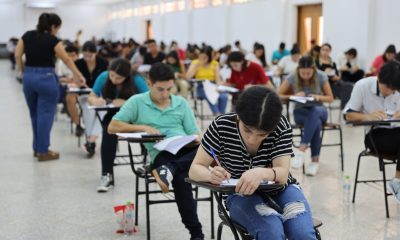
x=103, y=108
x=79, y=90
x=229, y=189
x=376, y=122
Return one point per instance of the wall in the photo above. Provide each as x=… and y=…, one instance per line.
x=15, y=19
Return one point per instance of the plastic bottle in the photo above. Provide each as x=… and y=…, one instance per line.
x=346, y=189
x=129, y=224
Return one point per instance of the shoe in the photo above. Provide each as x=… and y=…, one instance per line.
x=394, y=188
x=163, y=176
x=312, y=169
x=50, y=155
x=106, y=182
x=90, y=149
x=79, y=131
x=298, y=160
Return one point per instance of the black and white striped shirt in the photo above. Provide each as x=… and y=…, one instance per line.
x=224, y=137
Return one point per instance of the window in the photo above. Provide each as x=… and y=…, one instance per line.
x=216, y=2
x=199, y=3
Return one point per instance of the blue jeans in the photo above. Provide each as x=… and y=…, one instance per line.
x=41, y=94
x=220, y=106
x=312, y=118
x=263, y=222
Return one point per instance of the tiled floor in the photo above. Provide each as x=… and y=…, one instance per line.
x=57, y=200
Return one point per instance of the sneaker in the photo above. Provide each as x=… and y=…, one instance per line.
x=79, y=131
x=90, y=149
x=164, y=177
x=106, y=183
x=394, y=188
x=298, y=160
x=312, y=169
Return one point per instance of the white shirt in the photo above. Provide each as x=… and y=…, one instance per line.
x=366, y=98
x=287, y=64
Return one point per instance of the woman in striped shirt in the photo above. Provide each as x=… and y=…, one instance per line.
x=255, y=145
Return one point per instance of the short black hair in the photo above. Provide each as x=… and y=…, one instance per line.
x=151, y=41
x=265, y=111
x=160, y=72
x=352, y=51
x=282, y=45
x=71, y=49
x=390, y=75
x=89, y=46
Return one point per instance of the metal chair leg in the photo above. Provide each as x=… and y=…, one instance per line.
x=384, y=186
x=356, y=178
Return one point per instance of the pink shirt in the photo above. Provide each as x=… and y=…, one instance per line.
x=377, y=64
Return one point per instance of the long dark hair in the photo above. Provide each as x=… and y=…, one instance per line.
x=121, y=67
x=46, y=20
x=174, y=55
x=306, y=62
x=390, y=49
x=259, y=46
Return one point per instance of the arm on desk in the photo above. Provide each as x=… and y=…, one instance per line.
x=373, y=116
x=251, y=179
x=199, y=170
x=94, y=100
x=123, y=127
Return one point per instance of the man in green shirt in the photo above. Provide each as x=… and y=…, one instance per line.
x=159, y=112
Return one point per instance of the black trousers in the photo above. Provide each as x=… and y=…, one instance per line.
x=386, y=140
x=108, y=145
x=179, y=164
x=352, y=77
x=342, y=90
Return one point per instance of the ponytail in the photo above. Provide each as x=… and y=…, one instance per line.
x=46, y=20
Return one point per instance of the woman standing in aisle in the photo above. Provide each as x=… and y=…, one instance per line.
x=40, y=84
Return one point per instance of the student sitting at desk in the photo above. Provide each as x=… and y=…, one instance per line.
x=377, y=98
x=91, y=66
x=205, y=68
x=245, y=74
x=254, y=145
x=115, y=85
x=155, y=112
x=308, y=81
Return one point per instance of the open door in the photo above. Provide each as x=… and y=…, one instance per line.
x=310, y=26
x=149, y=30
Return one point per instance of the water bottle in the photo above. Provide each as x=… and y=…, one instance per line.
x=346, y=189
x=129, y=219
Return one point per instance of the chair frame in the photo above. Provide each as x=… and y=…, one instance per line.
x=237, y=229
x=141, y=169
x=383, y=160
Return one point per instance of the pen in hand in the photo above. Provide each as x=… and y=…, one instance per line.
x=215, y=158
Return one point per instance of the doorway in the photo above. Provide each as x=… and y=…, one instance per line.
x=310, y=26
x=149, y=30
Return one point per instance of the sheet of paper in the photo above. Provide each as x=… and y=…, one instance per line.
x=105, y=106
x=76, y=89
x=174, y=144
x=131, y=135
x=211, y=91
x=301, y=99
x=222, y=88
x=233, y=182
x=144, y=68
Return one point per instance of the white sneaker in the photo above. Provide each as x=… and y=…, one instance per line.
x=312, y=169
x=394, y=187
x=106, y=183
x=298, y=160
